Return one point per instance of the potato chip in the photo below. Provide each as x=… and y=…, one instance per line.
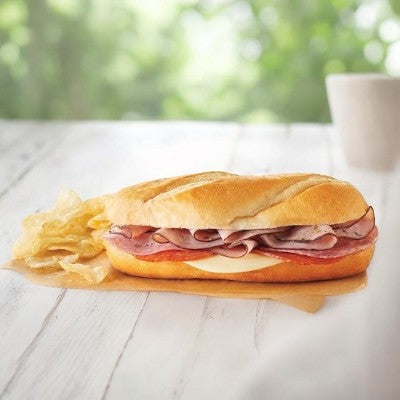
x=85, y=248
x=99, y=222
x=71, y=231
x=50, y=262
x=92, y=275
x=67, y=199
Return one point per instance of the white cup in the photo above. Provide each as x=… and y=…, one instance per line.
x=365, y=110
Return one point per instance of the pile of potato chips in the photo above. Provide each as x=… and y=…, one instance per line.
x=65, y=236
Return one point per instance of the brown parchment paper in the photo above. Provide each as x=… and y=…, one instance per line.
x=306, y=296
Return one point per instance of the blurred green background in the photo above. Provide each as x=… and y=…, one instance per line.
x=251, y=61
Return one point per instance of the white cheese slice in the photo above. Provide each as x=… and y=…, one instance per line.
x=226, y=265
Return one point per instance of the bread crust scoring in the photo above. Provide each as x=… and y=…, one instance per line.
x=220, y=200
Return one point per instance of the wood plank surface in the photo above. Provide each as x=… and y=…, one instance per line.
x=71, y=344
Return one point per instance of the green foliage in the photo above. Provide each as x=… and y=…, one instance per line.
x=254, y=61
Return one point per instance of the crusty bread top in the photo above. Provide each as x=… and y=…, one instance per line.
x=227, y=201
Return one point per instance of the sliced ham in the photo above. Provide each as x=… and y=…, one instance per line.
x=359, y=228
x=353, y=221
x=345, y=224
x=305, y=233
x=318, y=241
x=238, y=251
x=205, y=235
x=141, y=245
x=231, y=236
x=184, y=239
x=324, y=242
x=121, y=230
x=130, y=231
x=343, y=247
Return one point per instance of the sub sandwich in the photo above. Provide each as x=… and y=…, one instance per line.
x=217, y=225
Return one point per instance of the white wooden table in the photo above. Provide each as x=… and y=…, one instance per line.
x=75, y=344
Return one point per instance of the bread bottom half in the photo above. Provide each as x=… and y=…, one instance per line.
x=283, y=272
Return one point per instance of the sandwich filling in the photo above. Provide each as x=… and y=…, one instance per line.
x=303, y=243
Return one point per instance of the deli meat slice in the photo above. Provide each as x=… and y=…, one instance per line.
x=359, y=228
x=141, y=245
x=352, y=222
x=305, y=233
x=130, y=231
x=324, y=242
x=238, y=251
x=183, y=239
x=205, y=235
x=230, y=236
x=343, y=247
x=316, y=241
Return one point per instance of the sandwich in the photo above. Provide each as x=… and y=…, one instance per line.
x=217, y=225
